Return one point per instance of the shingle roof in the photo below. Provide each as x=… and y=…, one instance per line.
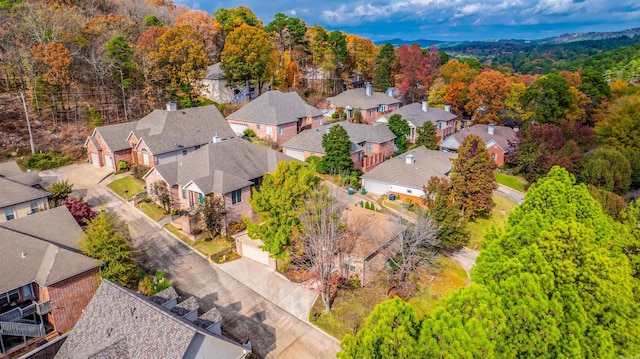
x=428, y=163
x=311, y=139
x=43, y=248
x=119, y=320
x=12, y=192
x=224, y=166
x=357, y=98
x=214, y=72
x=11, y=171
x=8, y=169
x=275, y=108
x=502, y=135
x=414, y=114
x=115, y=136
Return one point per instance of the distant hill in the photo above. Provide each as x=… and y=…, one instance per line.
x=587, y=36
x=400, y=42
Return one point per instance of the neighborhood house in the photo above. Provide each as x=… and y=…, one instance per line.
x=162, y=136
x=371, y=104
x=417, y=114
x=20, y=193
x=497, y=139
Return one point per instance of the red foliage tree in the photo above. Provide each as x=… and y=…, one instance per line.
x=414, y=77
x=80, y=210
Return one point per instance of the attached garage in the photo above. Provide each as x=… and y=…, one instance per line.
x=95, y=159
x=238, y=128
x=373, y=186
x=297, y=154
x=108, y=161
x=250, y=248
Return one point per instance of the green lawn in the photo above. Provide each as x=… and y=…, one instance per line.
x=152, y=210
x=204, y=246
x=133, y=185
x=515, y=182
x=498, y=218
x=438, y=284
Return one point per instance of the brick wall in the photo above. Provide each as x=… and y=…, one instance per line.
x=497, y=155
x=236, y=211
x=288, y=130
x=70, y=297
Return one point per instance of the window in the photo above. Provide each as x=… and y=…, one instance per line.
x=200, y=198
x=236, y=196
x=145, y=159
x=269, y=130
x=494, y=156
x=184, y=193
x=9, y=214
x=257, y=126
x=442, y=125
x=320, y=121
x=382, y=108
x=184, y=152
x=369, y=147
x=409, y=191
x=27, y=291
x=34, y=207
x=280, y=130
x=370, y=113
x=9, y=297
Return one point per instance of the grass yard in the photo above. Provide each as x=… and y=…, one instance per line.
x=438, y=283
x=152, y=210
x=133, y=185
x=498, y=218
x=204, y=246
x=515, y=182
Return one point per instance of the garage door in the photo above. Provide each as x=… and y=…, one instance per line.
x=95, y=159
x=255, y=254
x=238, y=128
x=375, y=186
x=108, y=161
x=297, y=154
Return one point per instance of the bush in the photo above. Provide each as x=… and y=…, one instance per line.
x=313, y=160
x=235, y=227
x=123, y=166
x=47, y=160
x=249, y=133
x=138, y=171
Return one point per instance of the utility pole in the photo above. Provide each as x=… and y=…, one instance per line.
x=26, y=114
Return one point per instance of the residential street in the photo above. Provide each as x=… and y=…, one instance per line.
x=247, y=315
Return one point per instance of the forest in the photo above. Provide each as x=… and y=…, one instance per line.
x=561, y=280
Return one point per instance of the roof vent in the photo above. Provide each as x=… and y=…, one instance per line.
x=410, y=159
x=24, y=254
x=216, y=138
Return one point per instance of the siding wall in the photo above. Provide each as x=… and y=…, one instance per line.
x=23, y=209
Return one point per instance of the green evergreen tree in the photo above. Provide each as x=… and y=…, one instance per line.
x=452, y=227
x=337, y=149
x=384, y=72
x=400, y=127
x=608, y=169
x=427, y=136
x=60, y=191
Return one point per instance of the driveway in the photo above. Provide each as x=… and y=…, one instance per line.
x=247, y=315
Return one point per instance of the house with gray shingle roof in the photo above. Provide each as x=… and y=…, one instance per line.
x=370, y=145
x=497, y=139
x=20, y=193
x=371, y=104
x=229, y=169
x=160, y=137
x=275, y=116
x=45, y=282
x=119, y=323
x=406, y=175
x=417, y=114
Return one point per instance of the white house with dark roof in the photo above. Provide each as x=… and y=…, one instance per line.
x=417, y=114
x=215, y=87
x=160, y=137
x=119, y=323
x=370, y=145
x=275, y=116
x=497, y=139
x=406, y=175
x=371, y=104
x=229, y=169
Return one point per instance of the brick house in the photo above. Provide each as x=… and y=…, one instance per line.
x=417, y=114
x=228, y=169
x=496, y=138
x=45, y=282
x=371, y=104
x=275, y=116
x=370, y=145
x=20, y=193
x=160, y=137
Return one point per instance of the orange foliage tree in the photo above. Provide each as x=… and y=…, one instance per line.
x=487, y=95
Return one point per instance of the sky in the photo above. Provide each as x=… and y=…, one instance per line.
x=447, y=20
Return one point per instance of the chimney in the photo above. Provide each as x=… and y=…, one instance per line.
x=410, y=159
x=425, y=105
x=172, y=106
x=447, y=107
x=368, y=89
x=216, y=138
x=490, y=129
x=328, y=128
x=389, y=91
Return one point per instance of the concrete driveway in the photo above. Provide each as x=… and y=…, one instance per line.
x=247, y=315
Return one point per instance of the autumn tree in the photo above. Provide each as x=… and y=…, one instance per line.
x=226, y=20
x=281, y=195
x=79, y=209
x=162, y=194
x=248, y=55
x=107, y=239
x=337, y=149
x=472, y=178
x=427, y=136
x=413, y=76
x=621, y=127
x=212, y=213
x=385, y=68
x=487, y=95
x=202, y=23
x=455, y=71
x=362, y=55
x=608, y=169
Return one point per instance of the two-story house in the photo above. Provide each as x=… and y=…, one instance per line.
x=370, y=145
x=497, y=139
x=45, y=282
x=417, y=114
x=371, y=104
x=275, y=116
x=160, y=137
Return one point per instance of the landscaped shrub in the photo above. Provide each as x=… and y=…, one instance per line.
x=123, y=166
x=138, y=171
x=235, y=227
x=47, y=160
x=249, y=133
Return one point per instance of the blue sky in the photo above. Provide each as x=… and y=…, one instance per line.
x=448, y=20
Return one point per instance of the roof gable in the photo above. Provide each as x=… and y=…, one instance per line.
x=502, y=135
x=311, y=139
x=358, y=99
x=13, y=192
x=416, y=116
x=275, y=108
